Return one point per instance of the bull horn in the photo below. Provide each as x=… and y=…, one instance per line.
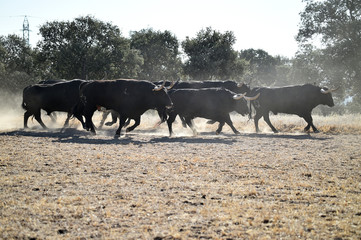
x=171, y=85
x=252, y=98
x=238, y=96
x=158, y=88
x=329, y=90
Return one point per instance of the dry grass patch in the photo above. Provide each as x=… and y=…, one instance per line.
x=145, y=185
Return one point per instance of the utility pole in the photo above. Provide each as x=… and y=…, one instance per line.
x=26, y=30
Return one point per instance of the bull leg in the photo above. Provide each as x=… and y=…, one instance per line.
x=127, y=122
x=38, y=118
x=190, y=123
x=256, y=119
x=104, y=116
x=136, y=124
x=229, y=122
x=80, y=118
x=27, y=114
x=162, y=115
x=268, y=121
x=121, y=124
x=309, y=120
x=220, y=126
x=52, y=116
x=88, y=113
x=66, y=124
x=170, y=121
x=114, y=118
x=184, y=122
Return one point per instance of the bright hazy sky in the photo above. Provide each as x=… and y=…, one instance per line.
x=270, y=25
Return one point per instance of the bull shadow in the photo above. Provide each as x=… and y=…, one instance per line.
x=304, y=136
x=72, y=135
x=193, y=140
x=41, y=133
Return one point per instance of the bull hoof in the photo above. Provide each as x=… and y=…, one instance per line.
x=116, y=136
x=210, y=122
x=316, y=131
x=129, y=130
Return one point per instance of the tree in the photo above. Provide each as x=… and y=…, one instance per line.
x=16, y=63
x=261, y=68
x=210, y=56
x=15, y=54
x=86, y=48
x=160, y=53
x=337, y=23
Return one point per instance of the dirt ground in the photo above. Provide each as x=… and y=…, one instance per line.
x=145, y=185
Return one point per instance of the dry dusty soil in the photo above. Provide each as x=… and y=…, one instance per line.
x=145, y=185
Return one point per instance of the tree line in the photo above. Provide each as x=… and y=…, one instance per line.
x=88, y=48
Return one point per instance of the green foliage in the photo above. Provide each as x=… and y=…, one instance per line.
x=15, y=54
x=261, y=68
x=211, y=56
x=86, y=48
x=337, y=23
x=160, y=53
x=17, y=68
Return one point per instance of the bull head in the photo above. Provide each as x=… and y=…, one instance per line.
x=324, y=91
x=239, y=96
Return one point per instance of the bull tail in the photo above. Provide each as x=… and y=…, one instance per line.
x=250, y=111
x=82, y=97
x=26, y=90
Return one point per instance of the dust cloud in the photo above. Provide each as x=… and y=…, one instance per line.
x=12, y=115
x=11, y=112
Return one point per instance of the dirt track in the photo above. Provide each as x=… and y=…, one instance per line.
x=148, y=186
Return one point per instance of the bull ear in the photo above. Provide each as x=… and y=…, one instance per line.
x=239, y=85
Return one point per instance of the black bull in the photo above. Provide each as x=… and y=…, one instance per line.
x=210, y=103
x=299, y=100
x=129, y=98
x=230, y=85
x=61, y=97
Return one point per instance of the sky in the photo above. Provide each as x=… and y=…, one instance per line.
x=270, y=25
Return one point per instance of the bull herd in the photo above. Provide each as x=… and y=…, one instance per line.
x=128, y=99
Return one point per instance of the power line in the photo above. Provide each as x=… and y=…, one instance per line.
x=26, y=30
